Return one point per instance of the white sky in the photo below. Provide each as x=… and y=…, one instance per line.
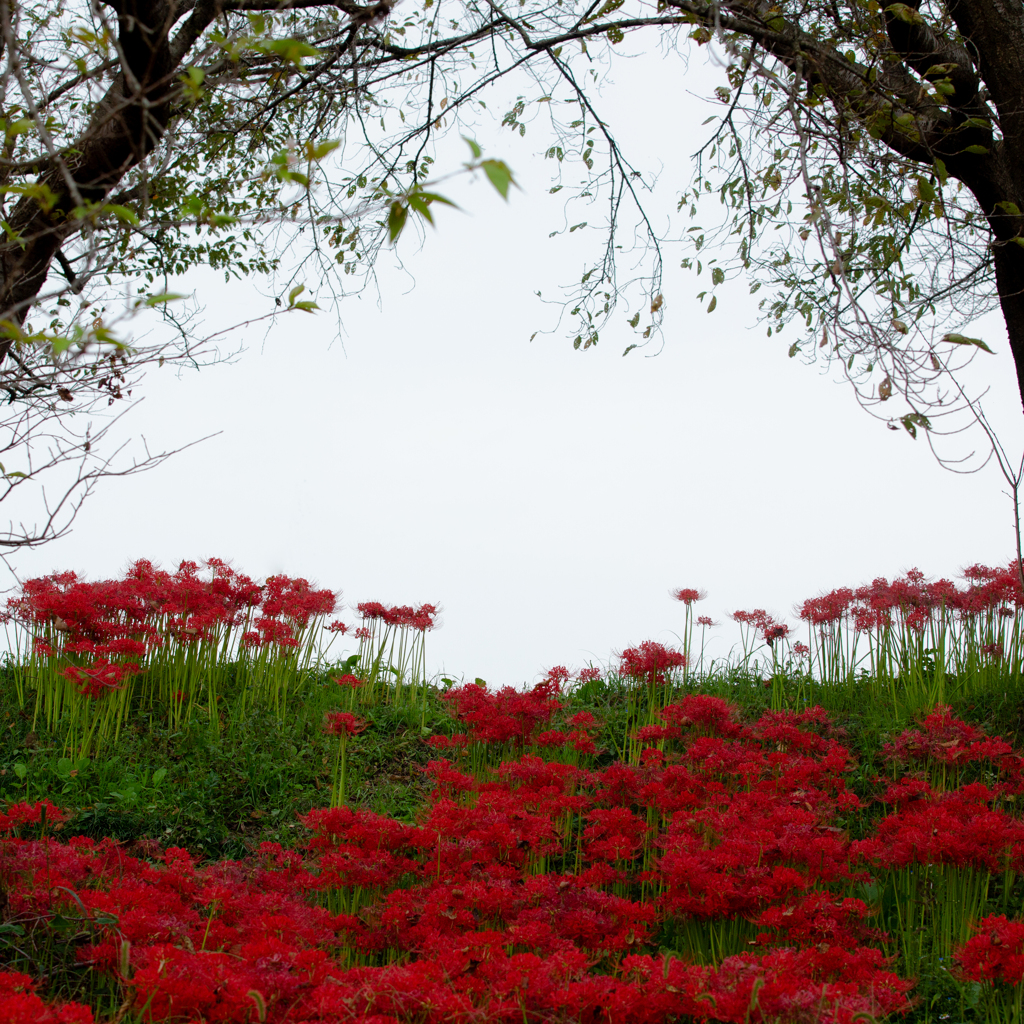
x=548, y=499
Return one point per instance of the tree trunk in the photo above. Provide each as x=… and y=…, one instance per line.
x=1009, y=262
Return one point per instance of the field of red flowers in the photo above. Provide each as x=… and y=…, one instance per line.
x=612, y=846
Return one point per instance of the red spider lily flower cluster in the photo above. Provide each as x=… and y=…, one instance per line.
x=517, y=896
x=507, y=716
x=689, y=594
x=148, y=607
x=165, y=636
x=403, y=616
x=914, y=600
x=539, y=883
x=943, y=740
x=995, y=953
x=649, y=662
x=19, y=1004
x=393, y=640
x=770, y=628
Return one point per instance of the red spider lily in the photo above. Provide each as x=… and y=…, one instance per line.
x=649, y=661
x=422, y=618
x=770, y=629
x=343, y=723
x=957, y=828
x=506, y=716
x=613, y=834
x=703, y=715
x=588, y=675
x=296, y=601
x=945, y=739
x=99, y=677
x=689, y=594
x=705, y=621
x=19, y=1004
x=458, y=742
x=557, y=677
x=349, y=680
x=827, y=609
x=995, y=953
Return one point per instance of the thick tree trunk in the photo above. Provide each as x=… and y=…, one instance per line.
x=127, y=126
x=1009, y=261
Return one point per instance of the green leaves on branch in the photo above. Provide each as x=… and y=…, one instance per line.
x=497, y=171
x=293, y=51
x=195, y=209
x=419, y=201
x=192, y=83
x=912, y=421
x=959, y=339
x=306, y=305
x=37, y=190
x=282, y=164
x=153, y=301
x=20, y=126
x=78, y=336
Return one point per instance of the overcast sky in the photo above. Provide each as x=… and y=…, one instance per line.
x=547, y=499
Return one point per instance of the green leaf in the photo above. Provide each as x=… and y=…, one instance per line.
x=713, y=303
x=19, y=127
x=960, y=339
x=158, y=300
x=40, y=192
x=634, y=320
x=295, y=293
x=292, y=50
x=159, y=775
x=1011, y=208
x=123, y=213
x=717, y=275
x=193, y=80
x=912, y=421
x=977, y=150
x=474, y=148
x=499, y=175
x=306, y=305
x=793, y=349
x=925, y=189
x=21, y=769
x=321, y=149
x=397, y=216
